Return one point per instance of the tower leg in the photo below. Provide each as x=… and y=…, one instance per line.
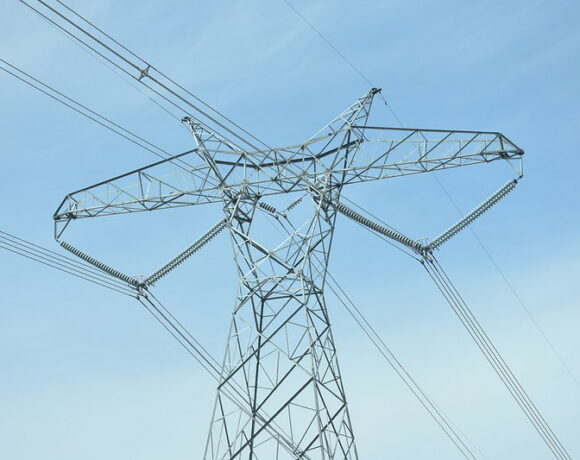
x=280, y=351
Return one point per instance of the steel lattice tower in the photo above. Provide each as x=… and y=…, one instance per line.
x=280, y=393
x=280, y=346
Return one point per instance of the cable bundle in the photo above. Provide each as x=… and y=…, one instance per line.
x=484, y=343
x=160, y=89
x=62, y=263
x=100, y=265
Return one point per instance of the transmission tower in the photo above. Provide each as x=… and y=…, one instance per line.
x=280, y=393
x=280, y=350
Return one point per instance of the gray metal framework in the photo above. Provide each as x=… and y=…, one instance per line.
x=280, y=355
x=280, y=393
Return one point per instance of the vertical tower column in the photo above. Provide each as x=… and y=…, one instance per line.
x=280, y=348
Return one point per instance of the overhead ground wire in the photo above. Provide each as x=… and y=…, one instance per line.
x=197, y=98
x=143, y=70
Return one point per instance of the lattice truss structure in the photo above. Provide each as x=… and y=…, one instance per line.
x=280, y=349
x=280, y=393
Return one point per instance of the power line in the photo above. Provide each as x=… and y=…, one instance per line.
x=436, y=414
x=44, y=254
x=342, y=56
x=482, y=340
x=490, y=352
x=55, y=263
x=101, y=57
x=92, y=115
x=49, y=258
x=205, y=104
x=81, y=109
x=141, y=71
x=55, y=255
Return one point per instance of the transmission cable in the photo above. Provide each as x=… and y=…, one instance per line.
x=205, y=104
x=143, y=71
x=45, y=254
x=55, y=255
x=54, y=260
x=99, y=54
x=436, y=414
x=512, y=289
x=473, y=327
x=121, y=75
x=81, y=109
x=92, y=115
x=482, y=340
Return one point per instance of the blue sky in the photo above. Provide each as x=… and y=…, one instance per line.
x=87, y=374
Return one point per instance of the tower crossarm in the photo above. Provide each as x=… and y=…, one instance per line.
x=218, y=164
x=391, y=152
x=174, y=182
x=164, y=184
x=346, y=149
x=378, y=154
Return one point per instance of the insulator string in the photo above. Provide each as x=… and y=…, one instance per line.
x=186, y=253
x=473, y=215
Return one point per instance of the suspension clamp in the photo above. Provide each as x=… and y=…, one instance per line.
x=144, y=72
